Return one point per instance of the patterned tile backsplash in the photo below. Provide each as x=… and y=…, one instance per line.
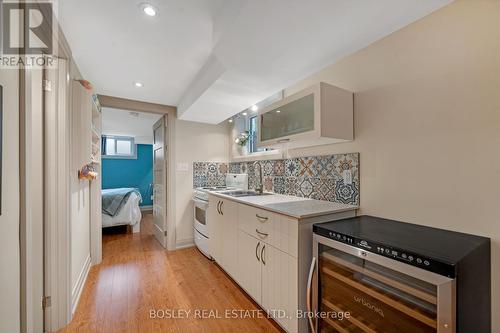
x=317, y=177
x=209, y=174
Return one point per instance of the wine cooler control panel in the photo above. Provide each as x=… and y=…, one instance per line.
x=405, y=256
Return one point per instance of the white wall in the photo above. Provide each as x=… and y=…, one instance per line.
x=124, y=122
x=427, y=123
x=194, y=142
x=9, y=219
x=79, y=214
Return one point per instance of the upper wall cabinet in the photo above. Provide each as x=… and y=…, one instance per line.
x=321, y=114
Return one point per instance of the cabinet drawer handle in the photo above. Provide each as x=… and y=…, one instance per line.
x=283, y=140
x=218, y=207
x=257, y=251
x=262, y=218
x=262, y=234
x=262, y=254
x=221, y=205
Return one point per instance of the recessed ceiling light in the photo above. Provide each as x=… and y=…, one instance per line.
x=138, y=84
x=149, y=9
x=278, y=111
x=230, y=120
x=244, y=113
x=254, y=108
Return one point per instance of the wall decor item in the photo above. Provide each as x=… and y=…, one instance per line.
x=331, y=177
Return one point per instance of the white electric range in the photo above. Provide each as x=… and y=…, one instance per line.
x=234, y=181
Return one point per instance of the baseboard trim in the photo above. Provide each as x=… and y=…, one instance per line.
x=80, y=283
x=146, y=208
x=184, y=244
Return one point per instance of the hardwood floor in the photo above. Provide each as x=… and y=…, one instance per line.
x=137, y=275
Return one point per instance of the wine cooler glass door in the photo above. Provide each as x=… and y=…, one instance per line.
x=359, y=291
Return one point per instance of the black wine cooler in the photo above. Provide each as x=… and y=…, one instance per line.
x=380, y=276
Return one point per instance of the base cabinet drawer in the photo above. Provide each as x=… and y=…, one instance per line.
x=274, y=229
x=256, y=222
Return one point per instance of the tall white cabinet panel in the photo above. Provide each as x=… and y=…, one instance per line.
x=249, y=269
x=215, y=229
x=223, y=233
x=279, y=278
x=229, y=241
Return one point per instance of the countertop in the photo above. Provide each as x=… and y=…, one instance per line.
x=296, y=207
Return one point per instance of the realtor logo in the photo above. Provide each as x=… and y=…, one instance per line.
x=27, y=28
x=27, y=34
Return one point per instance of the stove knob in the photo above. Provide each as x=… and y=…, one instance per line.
x=410, y=258
x=426, y=263
x=419, y=260
x=404, y=255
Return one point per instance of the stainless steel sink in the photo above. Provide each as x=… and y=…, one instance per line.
x=240, y=193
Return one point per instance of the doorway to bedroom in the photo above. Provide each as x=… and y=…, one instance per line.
x=127, y=148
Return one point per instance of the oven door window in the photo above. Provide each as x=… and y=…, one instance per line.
x=200, y=215
x=361, y=296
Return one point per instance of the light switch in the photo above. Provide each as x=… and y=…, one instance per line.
x=182, y=167
x=347, y=174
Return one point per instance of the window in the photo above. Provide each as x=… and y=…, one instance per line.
x=252, y=135
x=118, y=147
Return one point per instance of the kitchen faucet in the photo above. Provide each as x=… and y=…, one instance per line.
x=259, y=189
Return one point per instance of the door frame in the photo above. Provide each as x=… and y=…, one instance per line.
x=55, y=233
x=170, y=113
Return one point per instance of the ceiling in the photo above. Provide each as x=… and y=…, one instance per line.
x=114, y=44
x=129, y=123
x=214, y=58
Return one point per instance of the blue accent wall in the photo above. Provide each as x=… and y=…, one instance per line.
x=136, y=173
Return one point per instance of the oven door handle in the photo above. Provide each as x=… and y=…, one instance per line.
x=309, y=294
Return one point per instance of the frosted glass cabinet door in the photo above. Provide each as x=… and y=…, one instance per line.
x=293, y=118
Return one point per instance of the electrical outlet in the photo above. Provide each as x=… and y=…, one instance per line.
x=347, y=175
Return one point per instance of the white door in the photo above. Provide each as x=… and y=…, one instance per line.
x=249, y=264
x=215, y=227
x=160, y=180
x=229, y=247
x=279, y=292
x=9, y=201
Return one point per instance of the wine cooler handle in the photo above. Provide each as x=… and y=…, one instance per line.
x=309, y=294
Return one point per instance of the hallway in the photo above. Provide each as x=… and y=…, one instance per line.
x=137, y=275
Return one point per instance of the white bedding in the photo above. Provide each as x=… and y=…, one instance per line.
x=130, y=214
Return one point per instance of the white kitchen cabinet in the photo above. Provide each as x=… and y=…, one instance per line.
x=267, y=254
x=321, y=114
x=275, y=229
x=223, y=231
x=279, y=281
x=215, y=230
x=249, y=267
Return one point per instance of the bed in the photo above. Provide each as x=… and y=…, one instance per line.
x=120, y=206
